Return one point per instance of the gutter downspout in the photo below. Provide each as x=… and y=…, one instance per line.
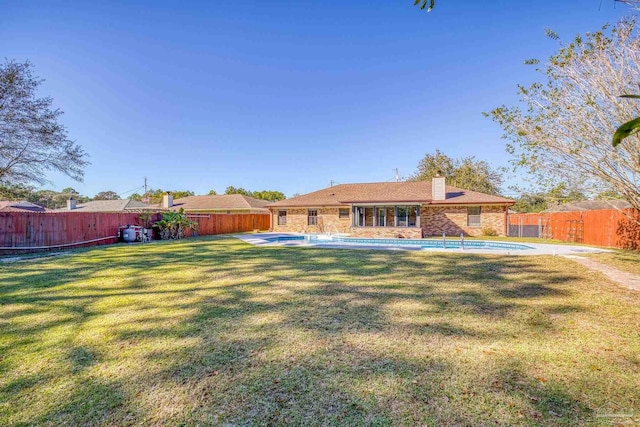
x=506, y=219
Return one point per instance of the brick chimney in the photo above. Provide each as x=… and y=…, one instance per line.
x=438, y=190
x=71, y=203
x=167, y=200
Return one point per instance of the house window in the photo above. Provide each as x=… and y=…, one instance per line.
x=386, y=216
x=343, y=213
x=358, y=217
x=312, y=217
x=368, y=217
x=282, y=217
x=413, y=213
x=382, y=217
x=390, y=220
x=402, y=216
x=473, y=216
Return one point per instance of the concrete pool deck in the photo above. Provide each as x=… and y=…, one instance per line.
x=570, y=252
x=264, y=239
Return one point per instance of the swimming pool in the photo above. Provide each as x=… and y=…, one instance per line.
x=399, y=243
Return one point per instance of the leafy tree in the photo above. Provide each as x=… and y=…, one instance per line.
x=609, y=195
x=107, y=195
x=531, y=202
x=15, y=192
x=69, y=190
x=539, y=201
x=155, y=196
x=32, y=141
x=467, y=172
x=212, y=193
x=178, y=194
x=233, y=190
x=563, y=133
x=270, y=195
x=53, y=200
x=562, y=193
x=46, y=199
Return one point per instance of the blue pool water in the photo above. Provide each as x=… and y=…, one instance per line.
x=413, y=243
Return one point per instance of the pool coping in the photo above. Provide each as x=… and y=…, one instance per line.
x=260, y=239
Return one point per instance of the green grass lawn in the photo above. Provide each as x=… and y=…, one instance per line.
x=213, y=331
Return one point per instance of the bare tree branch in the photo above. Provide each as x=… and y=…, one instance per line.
x=32, y=142
x=562, y=130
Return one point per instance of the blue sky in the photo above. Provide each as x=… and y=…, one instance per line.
x=282, y=95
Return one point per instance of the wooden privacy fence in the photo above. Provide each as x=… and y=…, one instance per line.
x=41, y=231
x=34, y=231
x=605, y=227
x=210, y=224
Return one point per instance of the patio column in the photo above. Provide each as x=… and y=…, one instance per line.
x=395, y=216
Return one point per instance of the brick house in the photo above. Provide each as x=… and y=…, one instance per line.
x=411, y=209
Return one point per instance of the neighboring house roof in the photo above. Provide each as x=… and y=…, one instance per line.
x=589, y=205
x=387, y=192
x=22, y=206
x=123, y=205
x=220, y=202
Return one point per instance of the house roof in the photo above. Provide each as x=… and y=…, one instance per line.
x=589, y=205
x=388, y=192
x=21, y=206
x=122, y=205
x=219, y=202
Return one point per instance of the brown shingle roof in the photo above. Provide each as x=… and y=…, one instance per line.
x=387, y=192
x=220, y=202
x=23, y=206
x=122, y=205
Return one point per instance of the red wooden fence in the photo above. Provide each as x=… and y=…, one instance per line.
x=209, y=224
x=598, y=227
x=41, y=231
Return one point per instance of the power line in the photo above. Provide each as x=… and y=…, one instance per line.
x=130, y=191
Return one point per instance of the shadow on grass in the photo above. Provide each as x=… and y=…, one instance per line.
x=275, y=335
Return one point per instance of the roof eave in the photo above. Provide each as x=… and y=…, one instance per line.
x=447, y=202
x=383, y=201
x=306, y=205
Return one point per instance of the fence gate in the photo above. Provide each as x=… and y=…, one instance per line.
x=524, y=226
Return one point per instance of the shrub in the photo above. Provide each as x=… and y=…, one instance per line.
x=629, y=231
x=174, y=225
x=489, y=231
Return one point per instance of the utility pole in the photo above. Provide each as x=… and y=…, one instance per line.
x=145, y=199
x=397, y=176
x=331, y=185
